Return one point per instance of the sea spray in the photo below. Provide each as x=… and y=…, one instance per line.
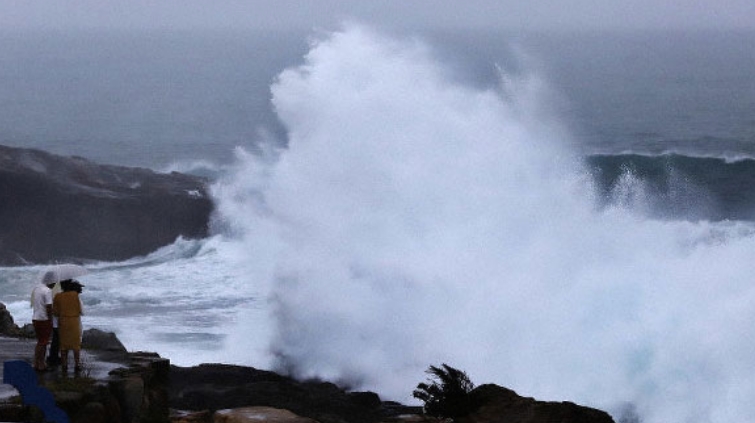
x=397, y=190
x=413, y=221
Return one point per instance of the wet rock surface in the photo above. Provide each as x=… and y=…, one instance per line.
x=130, y=389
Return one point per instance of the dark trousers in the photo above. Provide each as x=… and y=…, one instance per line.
x=53, y=359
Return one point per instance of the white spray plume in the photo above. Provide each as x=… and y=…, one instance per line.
x=413, y=221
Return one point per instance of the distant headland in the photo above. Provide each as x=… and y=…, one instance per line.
x=55, y=208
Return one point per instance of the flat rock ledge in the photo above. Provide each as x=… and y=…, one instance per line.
x=118, y=386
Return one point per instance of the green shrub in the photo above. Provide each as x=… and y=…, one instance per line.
x=447, y=392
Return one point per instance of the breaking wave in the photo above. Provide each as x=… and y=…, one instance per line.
x=412, y=220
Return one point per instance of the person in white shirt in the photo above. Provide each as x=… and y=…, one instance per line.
x=41, y=303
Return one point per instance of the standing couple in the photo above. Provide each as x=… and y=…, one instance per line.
x=57, y=315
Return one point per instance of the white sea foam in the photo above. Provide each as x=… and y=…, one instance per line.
x=413, y=221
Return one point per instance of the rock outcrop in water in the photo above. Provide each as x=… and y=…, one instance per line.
x=7, y=326
x=55, y=208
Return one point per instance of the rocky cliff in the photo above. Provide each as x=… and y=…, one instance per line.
x=55, y=208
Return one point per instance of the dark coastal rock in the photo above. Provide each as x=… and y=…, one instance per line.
x=105, y=345
x=56, y=208
x=216, y=386
x=133, y=393
x=7, y=326
x=213, y=387
x=27, y=331
x=495, y=404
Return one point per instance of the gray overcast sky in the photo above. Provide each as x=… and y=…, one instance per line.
x=308, y=14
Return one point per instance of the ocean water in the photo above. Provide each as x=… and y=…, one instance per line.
x=567, y=215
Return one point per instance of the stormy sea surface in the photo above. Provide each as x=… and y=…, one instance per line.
x=567, y=215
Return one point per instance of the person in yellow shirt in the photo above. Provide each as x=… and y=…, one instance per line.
x=67, y=307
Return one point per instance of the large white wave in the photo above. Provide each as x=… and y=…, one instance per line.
x=413, y=221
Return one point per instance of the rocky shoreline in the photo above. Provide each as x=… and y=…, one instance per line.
x=143, y=387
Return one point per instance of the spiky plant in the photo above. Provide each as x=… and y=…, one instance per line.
x=447, y=392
